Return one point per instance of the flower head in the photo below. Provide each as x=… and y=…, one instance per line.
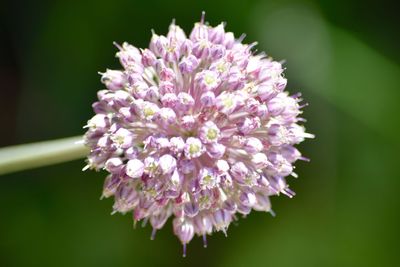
x=198, y=128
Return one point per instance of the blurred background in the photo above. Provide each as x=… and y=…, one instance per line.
x=343, y=56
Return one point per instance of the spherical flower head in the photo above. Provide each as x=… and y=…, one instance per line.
x=196, y=127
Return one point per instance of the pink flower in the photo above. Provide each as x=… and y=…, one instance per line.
x=198, y=128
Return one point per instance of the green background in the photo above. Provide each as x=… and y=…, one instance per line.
x=342, y=55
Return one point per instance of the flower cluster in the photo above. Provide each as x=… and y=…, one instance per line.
x=198, y=128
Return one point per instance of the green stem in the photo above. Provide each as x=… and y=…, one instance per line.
x=27, y=156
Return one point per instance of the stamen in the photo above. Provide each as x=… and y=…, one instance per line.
x=117, y=45
x=184, y=251
x=273, y=214
x=303, y=106
x=296, y=95
x=224, y=231
x=238, y=115
x=153, y=234
x=304, y=159
x=203, y=15
x=204, y=240
x=250, y=46
x=288, y=192
x=308, y=135
x=241, y=38
x=86, y=168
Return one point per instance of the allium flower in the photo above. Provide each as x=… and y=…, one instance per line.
x=198, y=128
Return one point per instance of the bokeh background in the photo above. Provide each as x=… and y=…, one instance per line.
x=342, y=55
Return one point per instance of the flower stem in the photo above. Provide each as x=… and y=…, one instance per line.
x=27, y=156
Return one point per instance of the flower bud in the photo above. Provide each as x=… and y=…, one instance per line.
x=176, y=33
x=278, y=135
x=290, y=153
x=185, y=101
x=217, y=52
x=201, y=49
x=167, y=74
x=111, y=184
x=253, y=145
x=132, y=153
x=139, y=89
x=176, y=180
x=148, y=58
x=150, y=166
x=126, y=197
x=248, y=125
x=183, y=229
x=262, y=202
x=260, y=161
x=217, y=34
x=152, y=94
x=134, y=168
x=161, y=142
x=207, y=99
x=229, y=40
x=266, y=91
x=221, y=219
x=169, y=100
x=247, y=198
x=166, y=116
x=166, y=87
x=193, y=148
x=191, y=209
x=262, y=112
x=114, y=79
x=188, y=64
x=167, y=164
x=270, y=71
x=99, y=122
x=186, y=166
x=243, y=209
x=239, y=170
x=129, y=56
x=277, y=105
x=280, y=83
x=186, y=47
x=203, y=224
x=235, y=78
x=188, y=122
x=222, y=166
x=122, y=138
x=199, y=32
x=209, y=132
x=148, y=110
x=158, y=44
x=157, y=221
x=177, y=144
x=208, y=178
x=114, y=165
x=216, y=150
x=207, y=80
x=226, y=103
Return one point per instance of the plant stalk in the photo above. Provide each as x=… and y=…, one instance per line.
x=28, y=156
